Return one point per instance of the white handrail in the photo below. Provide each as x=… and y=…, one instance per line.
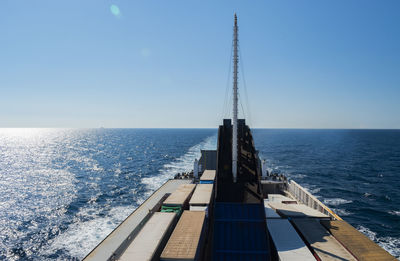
x=308, y=199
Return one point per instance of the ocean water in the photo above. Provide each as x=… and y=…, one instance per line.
x=354, y=172
x=63, y=190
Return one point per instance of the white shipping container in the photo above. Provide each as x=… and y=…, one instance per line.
x=202, y=194
x=151, y=237
x=279, y=198
x=296, y=210
x=269, y=212
x=208, y=175
x=287, y=242
x=180, y=195
x=200, y=208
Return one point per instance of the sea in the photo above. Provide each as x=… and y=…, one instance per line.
x=63, y=190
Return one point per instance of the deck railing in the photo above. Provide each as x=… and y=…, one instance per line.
x=308, y=199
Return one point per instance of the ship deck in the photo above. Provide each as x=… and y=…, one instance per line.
x=357, y=243
x=309, y=236
x=321, y=241
x=119, y=239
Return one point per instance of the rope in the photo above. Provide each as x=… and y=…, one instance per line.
x=245, y=89
x=228, y=102
x=241, y=105
x=224, y=106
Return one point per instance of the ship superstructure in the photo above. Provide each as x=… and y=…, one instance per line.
x=226, y=209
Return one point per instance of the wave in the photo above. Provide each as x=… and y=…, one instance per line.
x=394, y=212
x=366, y=194
x=342, y=212
x=179, y=165
x=336, y=201
x=313, y=189
x=82, y=236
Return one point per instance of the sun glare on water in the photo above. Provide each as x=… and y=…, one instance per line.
x=22, y=132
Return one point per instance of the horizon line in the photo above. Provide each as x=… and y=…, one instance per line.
x=209, y=128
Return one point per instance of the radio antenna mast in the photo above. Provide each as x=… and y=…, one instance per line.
x=235, y=101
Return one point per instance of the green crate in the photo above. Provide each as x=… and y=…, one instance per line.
x=176, y=209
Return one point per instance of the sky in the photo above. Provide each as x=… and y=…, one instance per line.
x=166, y=64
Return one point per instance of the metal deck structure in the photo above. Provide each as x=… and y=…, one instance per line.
x=120, y=238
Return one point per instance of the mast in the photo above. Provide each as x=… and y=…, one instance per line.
x=235, y=100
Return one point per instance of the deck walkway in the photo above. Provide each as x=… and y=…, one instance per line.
x=296, y=210
x=357, y=243
x=323, y=243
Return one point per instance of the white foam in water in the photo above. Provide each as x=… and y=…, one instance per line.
x=312, y=189
x=367, y=232
x=297, y=176
x=394, y=212
x=315, y=190
x=336, y=201
x=82, y=237
x=181, y=164
x=390, y=244
x=366, y=194
x=342, y=212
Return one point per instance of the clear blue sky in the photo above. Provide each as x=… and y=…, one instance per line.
x=92, y=63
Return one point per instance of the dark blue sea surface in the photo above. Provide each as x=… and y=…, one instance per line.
x=354, y=172
x=63, y=190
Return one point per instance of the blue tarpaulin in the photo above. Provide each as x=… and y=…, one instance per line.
x=239, y=232
x=206, y=182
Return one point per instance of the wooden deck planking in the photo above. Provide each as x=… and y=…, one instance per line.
x=184, y=242
x=357, y=243
x=323, y=243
